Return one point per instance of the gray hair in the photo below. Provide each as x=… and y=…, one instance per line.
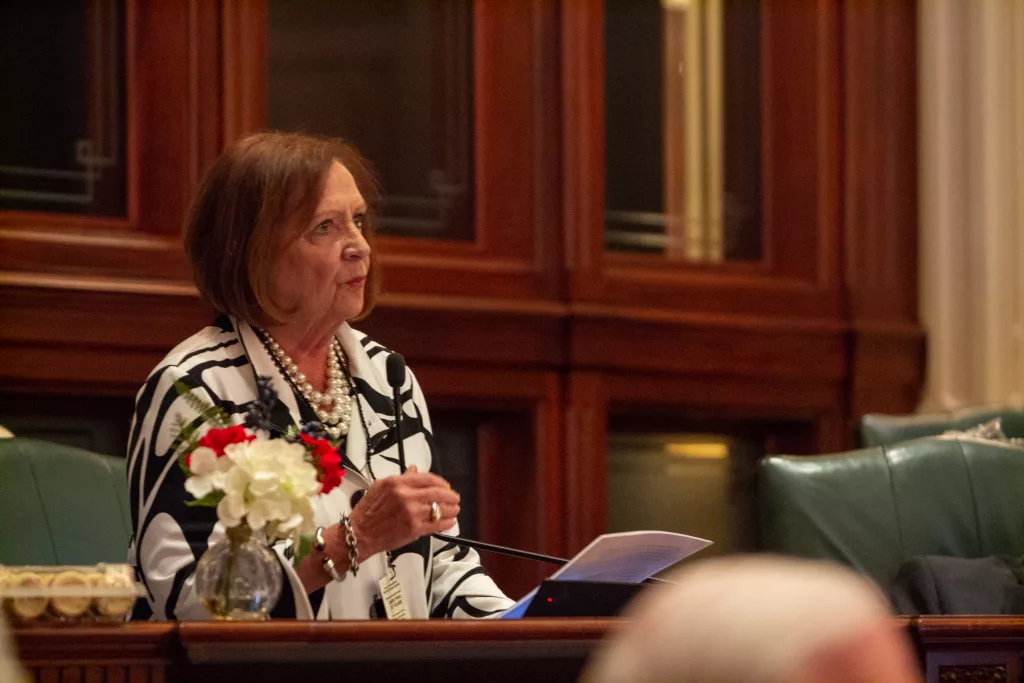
x=755, y=619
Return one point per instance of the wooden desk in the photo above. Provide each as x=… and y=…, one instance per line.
x=969, y=649
x=448, y=651
x=974, y=649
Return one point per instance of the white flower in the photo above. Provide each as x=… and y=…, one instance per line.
x=208, y=472
x=203, y=461
x=267, y=483
x=199, y=487
x=264, y=483
x=231, y=510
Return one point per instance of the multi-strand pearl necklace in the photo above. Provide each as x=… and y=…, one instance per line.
x=332, y=407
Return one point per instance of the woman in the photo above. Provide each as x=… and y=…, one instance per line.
x=279, y=241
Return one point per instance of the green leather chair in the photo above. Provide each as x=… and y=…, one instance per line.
x=876, y=508
x=61, y=505
x=879, y=430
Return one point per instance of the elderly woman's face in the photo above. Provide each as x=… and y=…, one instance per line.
x=322, y=274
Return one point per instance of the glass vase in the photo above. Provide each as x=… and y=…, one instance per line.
x=239, y=578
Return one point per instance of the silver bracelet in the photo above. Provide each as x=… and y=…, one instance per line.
x=350, y=538
x=318, y=540
x=332, y=571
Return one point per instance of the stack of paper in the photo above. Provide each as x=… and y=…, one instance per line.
x=627, y=557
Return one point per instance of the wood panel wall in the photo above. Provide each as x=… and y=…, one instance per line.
x=533, y=318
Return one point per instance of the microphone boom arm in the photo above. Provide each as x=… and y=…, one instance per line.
x=515, y=552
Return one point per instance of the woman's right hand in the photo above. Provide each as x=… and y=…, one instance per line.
x=396, y=511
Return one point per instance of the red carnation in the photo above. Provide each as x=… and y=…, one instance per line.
x=328, y=462
x=219, y=439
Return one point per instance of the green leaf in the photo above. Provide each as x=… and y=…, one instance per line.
x=303, y=551
x=210, y=500
x=208, y=412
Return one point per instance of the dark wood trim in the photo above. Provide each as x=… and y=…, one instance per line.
x=76, y=341
x=714, y=349
x=284, y=631
x=206, y=87
x=497, y=339
x=586, y=449
x=244, y=67
x=880, y=160
x=880, y=206
x=116, y=254
x=583, y=143
x=135, y=643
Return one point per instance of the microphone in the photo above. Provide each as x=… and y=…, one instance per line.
x=396, y=378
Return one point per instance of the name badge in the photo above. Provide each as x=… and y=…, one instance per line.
x=392, y=596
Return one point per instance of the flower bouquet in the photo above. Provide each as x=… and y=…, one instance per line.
x=261, y=481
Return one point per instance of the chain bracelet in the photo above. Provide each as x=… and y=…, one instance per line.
x=350, y=538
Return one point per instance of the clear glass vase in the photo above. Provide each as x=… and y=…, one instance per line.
x=239, y=578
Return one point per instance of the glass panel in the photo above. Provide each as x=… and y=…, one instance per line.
x=691, y=483
x=683, y=128
x=62, y=107
x=394, y=77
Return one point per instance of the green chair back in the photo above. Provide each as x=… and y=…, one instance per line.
x=61, y=505
x=880, y=430
x=876, y=508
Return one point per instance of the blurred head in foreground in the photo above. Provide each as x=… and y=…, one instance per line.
x=758, y=620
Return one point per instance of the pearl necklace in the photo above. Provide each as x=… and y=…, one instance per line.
x=333, y=407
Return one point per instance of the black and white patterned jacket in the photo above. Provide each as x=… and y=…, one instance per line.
x=221, y=363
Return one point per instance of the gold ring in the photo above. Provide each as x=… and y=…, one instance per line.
x=435, y=512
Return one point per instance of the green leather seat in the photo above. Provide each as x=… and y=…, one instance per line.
x=876, y=508
x=61, y=505
x=879, y=430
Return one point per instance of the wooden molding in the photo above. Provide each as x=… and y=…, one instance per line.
x=880, y=160
x=135, y=643
x=586, y=448
x=92, y=253
x=710, y=350
x=880, y=206
x=243, y=64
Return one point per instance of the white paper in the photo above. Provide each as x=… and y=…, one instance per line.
x=626, y=557
x=630, y=556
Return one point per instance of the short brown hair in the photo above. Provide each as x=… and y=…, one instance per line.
x=252, y=203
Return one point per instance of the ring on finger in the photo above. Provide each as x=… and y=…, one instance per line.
x=435, y=512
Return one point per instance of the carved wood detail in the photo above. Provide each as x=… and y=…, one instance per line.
x=995, y=673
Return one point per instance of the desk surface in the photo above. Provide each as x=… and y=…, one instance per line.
x=951, y=648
